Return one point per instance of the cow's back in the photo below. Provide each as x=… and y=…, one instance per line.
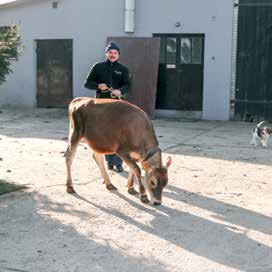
x=112, y=125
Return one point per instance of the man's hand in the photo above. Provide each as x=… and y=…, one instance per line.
x=103, y=87
x=116, y=92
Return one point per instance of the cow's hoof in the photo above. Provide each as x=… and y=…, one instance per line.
x=132, y=191
x=144, y=199
x=111, y=187
x=70, y=190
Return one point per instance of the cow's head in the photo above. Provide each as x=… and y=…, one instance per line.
x=156, y=178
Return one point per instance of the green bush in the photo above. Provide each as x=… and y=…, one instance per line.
x=9, y=43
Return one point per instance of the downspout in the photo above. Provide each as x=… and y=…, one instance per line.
x=129, y=15
x=233, y=58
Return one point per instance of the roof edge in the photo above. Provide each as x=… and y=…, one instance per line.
x=18, y=2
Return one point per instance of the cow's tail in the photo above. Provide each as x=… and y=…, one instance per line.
x=76, y=130
x=76, y=120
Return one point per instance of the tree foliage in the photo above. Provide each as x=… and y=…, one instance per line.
x=9, y=43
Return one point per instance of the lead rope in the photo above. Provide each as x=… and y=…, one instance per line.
x=113, y=95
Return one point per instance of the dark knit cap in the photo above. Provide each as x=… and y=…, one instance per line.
x=112, y=45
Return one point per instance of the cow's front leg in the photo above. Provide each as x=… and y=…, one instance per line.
x=134, y=168
x=100, y=163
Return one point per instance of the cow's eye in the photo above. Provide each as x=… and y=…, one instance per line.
x=153, y=184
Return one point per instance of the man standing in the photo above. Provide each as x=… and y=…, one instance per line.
x=110, y=79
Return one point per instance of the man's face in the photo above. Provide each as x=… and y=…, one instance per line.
x=112, y=55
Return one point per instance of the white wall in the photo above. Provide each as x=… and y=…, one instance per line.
x=88, y=23
x=214, y=19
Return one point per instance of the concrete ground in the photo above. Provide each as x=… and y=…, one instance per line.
x=216, y=215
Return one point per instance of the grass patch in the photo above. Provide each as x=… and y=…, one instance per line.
x=6, y=187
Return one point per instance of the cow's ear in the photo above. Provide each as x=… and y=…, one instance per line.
x=146, y=167
x=168, y=162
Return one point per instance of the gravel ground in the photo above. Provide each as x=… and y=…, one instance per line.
x=216, y=212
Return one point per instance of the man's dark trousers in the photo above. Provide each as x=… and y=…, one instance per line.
x=113, y=159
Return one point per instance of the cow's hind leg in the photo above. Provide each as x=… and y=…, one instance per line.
x=100, y=163
x=74, y=139
x=131, y=189
x=135, y=169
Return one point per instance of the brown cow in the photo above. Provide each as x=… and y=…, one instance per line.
x=113, y=126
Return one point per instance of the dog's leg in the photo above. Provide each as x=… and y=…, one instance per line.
x=252, y=139
x=256, y=139
x=264, y=141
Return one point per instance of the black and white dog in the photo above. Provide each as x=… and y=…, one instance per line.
x=260, y=134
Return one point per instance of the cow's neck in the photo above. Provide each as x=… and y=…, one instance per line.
x=153, y=157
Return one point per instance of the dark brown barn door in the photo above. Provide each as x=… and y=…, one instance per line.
x=253, y=91
x=141, y=55
x=180, y=79
x=54, y=73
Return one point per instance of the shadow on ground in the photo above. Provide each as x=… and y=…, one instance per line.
x=32, y=240
x=7, y=187
x=218, y=242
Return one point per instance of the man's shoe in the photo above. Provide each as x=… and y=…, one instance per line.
x=110, y=166
x=119, y=168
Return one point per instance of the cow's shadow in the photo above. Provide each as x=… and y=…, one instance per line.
x=123, y=174
x=223, y=211
x=216, y=241
x=33, y=228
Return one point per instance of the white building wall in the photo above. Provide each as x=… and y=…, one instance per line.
x=89, y=23
x=214, y=19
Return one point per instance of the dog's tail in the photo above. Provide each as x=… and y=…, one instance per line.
x=261, y=124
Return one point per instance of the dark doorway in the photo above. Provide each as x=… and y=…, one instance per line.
x=54, y=73
x=253, y=90
x=180, y=76
x=141, y=55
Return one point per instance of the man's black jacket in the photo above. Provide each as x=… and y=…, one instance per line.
x=114, y=74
